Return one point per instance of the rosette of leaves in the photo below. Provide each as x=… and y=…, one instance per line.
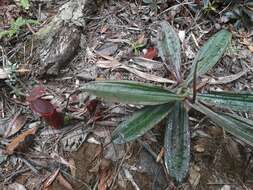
x=173, y=105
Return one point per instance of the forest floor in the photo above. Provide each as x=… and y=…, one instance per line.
x=117, y=42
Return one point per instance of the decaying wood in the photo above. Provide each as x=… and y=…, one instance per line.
x=58, y=41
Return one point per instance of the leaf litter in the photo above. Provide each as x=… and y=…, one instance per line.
x=123, y=58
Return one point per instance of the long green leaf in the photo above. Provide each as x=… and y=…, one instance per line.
x=177, y=143
x=140, y=122
x=236, y=101
x=130, y=92
x=235, y=125
x=210, y=53
x=239, y=120
x=168, y=44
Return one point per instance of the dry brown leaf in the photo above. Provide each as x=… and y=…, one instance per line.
x=160, y=155
x=113, y=60
x=72, y=167
x=116, y=64
x=51, y=179
x=194, y=176
x=147, y=76
x=104, y=174
x=15, y=125
x=227, y=79
x=104, y=29
x=64, y=182
x=21, y=142
x=106, y=64
x=251, y=48
x=148, y=63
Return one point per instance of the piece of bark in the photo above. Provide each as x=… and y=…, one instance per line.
x=59, y=40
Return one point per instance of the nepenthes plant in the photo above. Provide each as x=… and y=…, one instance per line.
x=173, y=104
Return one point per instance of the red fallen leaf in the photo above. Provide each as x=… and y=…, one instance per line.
x=92, y=105
x=36, y=93
x=48, y=112
x=151, y=53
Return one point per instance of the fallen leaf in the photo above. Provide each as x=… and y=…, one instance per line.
x=60, y=159
x=64, y=182
x=47, y=111
x=227, y=79
x=36, y=93
x=194, y=176
x=109, y=48
x=15, y=125
x=16, y=186
x=51, y=179
x=151, y=53
x=72, y=167
x=148, y=63
x=73, y=140
x=160, y=155
x=129, y=176
x=132, y=70
x=104, y=174
x=251, y=48
x=22, y=141
x=147, y=76
x=104, y=29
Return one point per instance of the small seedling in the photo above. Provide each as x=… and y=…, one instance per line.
x=16, y=27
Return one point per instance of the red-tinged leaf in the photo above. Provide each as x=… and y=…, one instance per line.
x=21, y=142
x=36, y=93
x=151, y=54
x=47, y=111
x=56, y=120
x=42, y=107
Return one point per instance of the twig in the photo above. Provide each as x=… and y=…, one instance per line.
x=117, y=171
x=172, y=7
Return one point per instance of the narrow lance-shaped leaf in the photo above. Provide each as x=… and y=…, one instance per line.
x=210, y=53
x=236, y=101
x=169, y=48
x=235, y=125
x=177, y=143
x=140, y=122
x=130, y=92
x=237, y=119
